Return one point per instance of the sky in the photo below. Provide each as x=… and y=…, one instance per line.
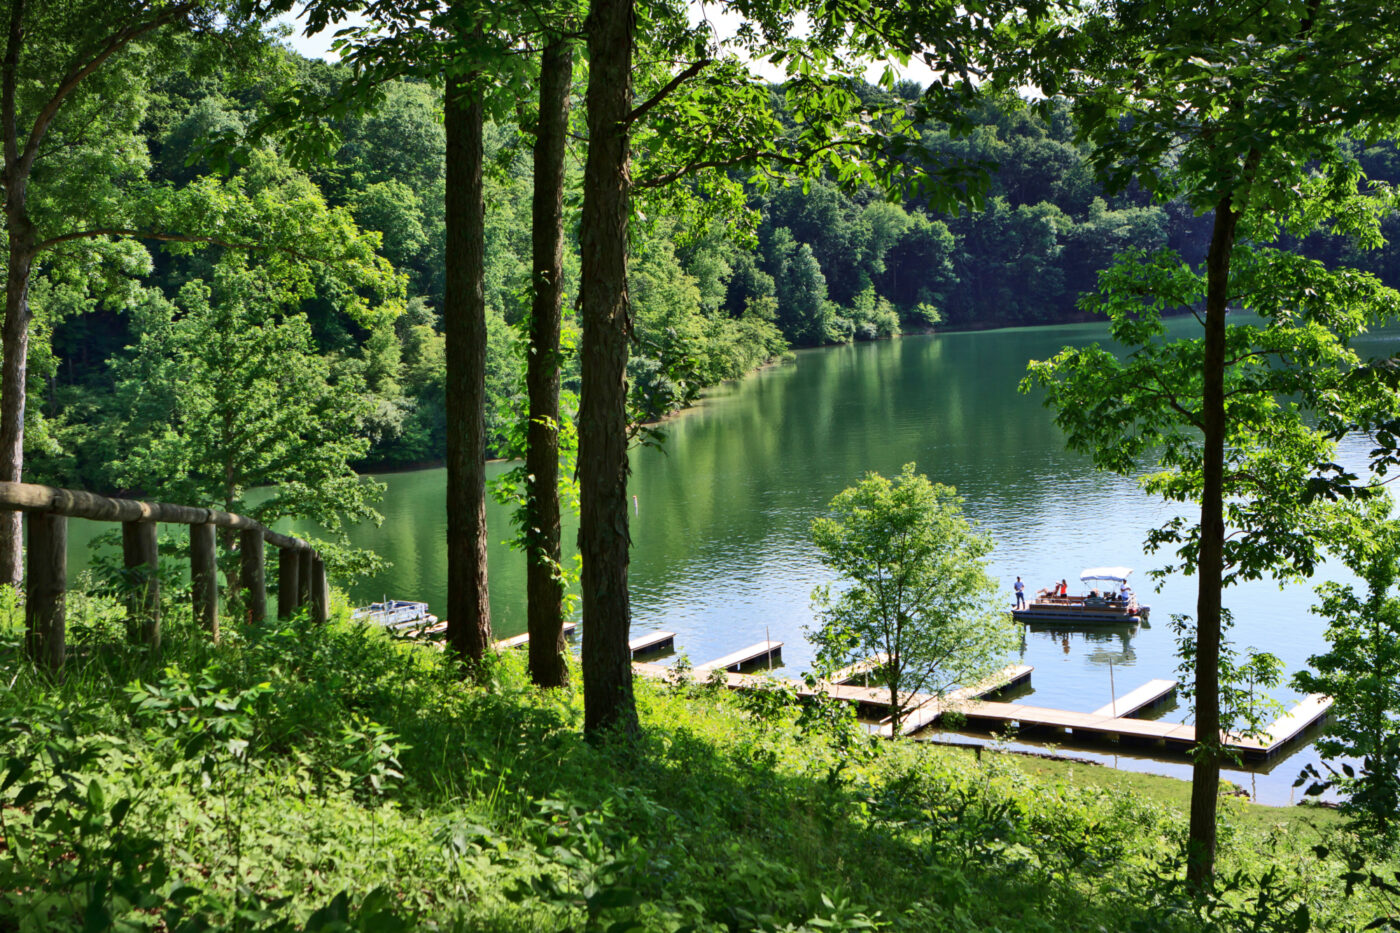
x=724, y=22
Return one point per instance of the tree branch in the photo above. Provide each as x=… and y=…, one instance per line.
x=684, y=76
x=660, y=181
x=113, y=44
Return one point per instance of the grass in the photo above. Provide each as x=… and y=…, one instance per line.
x=302, y=779
x=1176, y=794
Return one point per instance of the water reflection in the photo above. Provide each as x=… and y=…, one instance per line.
x=721, y=554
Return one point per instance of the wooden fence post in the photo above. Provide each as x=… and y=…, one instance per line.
x=304, y=578
x=288, y=563
x=46, y=587
x=320, y=591
x=252, y=573
x=204, y=575
x=141, y=557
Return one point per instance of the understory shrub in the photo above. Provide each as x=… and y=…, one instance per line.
x=303, y=778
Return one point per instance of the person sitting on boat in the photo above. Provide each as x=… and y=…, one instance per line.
x=1124, y=593
x=1062, y=590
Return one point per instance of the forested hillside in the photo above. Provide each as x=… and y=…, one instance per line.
x=115, y=354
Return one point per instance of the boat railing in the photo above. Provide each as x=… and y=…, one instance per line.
x=1089, y=602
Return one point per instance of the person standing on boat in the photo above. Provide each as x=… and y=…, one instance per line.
x=1124, y=592
x=1020, y=594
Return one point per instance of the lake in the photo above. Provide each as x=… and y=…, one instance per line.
x=720, y=549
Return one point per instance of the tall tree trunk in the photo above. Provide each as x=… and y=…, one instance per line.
x=1210, y=565
x=464, y=320
x=607, y=326
x=544, y=584
x=13, y=376
x=14, y=341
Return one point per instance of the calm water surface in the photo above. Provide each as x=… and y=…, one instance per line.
x=720, y=551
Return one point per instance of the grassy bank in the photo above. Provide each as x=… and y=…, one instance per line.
x=294, y=779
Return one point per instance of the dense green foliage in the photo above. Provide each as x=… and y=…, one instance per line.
x=1361, y=671
x=292, y=778
x=826, y=265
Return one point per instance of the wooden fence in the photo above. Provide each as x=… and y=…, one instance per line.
x=301, y=572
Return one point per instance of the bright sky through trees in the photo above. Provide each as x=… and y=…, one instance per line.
x=724, y=22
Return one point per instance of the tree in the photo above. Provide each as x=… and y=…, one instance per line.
x=469, y=47
x=74, y=175
x=66, y=80
x=733, y=128
x=225, y=392
x=1361, y=672
x=800, y=286
x=544, y=579
x=603, y=538
x=464, y=324
x=1240, y=108
x=1285, y=395
x=914, y=589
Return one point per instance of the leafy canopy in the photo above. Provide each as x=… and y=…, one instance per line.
x=1288, y=392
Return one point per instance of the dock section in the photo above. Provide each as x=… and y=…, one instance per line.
x=929, y=708
x=858, y=670
x=763, y=651
x=1148, y=695
x=652, y=643
x=924, y=710
x=524, y=638
x=1313, y=708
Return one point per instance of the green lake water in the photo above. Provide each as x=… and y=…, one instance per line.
x=720, y=551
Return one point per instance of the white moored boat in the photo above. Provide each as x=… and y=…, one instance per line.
x=395, y=614
x=1109, y=599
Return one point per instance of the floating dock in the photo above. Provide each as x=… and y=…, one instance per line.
x=763, y=651
x=1148, y=695
x=927, y=709
x=858, y=670
x=1113, y=722
x=652, y=643
x=1177, y=736
x=524, y=638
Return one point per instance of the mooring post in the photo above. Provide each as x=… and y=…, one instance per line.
x=252, y=574
x=141, y=557
x=320, y=591
x=304, y=579
x=204, y=576
x=46, y=587
x=288, y=563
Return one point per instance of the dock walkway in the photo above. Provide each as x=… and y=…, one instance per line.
x=1173, y=735
x=929, y=708
x=764, y=650
x=925, y=710
x=652, y=643
x=524, y=638
x=1149, y=694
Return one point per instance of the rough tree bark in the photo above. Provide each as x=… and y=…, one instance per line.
x=607, y=327
x=543, y=584
x=464, y=321
x=22, y=237
x=1210, y=565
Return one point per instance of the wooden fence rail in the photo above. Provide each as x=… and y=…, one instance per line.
x=47, y=510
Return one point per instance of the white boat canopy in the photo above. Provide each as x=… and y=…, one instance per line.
x=1116, y=574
